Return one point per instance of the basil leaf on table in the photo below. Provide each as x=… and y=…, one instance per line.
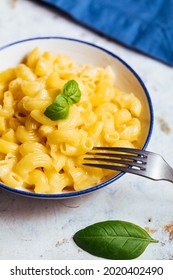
x=116, y=240
x=71, y=92
x=58, y=109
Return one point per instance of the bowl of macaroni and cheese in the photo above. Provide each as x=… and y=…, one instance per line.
x=60, y=98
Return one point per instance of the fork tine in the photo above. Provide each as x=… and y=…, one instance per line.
x=125, y=162
x=114, y=155
x=125, y=150
x=116, y=168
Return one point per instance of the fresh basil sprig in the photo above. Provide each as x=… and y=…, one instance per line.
x=69, y=95
x=117, y=240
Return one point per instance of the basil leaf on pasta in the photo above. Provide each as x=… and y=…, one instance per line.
x=58, y=109
x=71, y=92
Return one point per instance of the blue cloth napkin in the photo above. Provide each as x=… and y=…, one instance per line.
x=144, y=25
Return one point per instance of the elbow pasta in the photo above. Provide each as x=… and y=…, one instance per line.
x=45, y=156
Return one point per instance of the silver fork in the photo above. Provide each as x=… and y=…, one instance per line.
x=139, y=162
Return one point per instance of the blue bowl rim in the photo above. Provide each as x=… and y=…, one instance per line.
x=101, y=185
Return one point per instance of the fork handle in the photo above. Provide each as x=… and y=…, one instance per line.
x=169, y=174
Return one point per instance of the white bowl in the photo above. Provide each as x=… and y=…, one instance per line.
x=85, y=53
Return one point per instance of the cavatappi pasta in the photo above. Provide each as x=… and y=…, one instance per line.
x=45, y=156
